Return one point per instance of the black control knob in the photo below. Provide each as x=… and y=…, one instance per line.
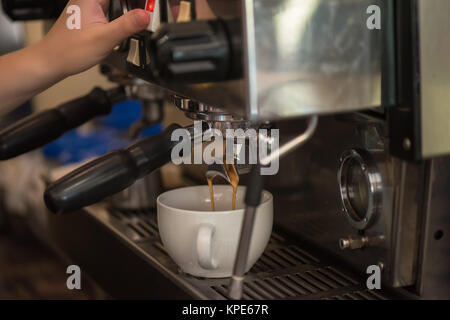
x=197, y=51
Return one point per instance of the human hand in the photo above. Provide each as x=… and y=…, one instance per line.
x=64, y=52
x=72, y=51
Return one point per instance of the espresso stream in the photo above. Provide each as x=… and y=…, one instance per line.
x=234, y=181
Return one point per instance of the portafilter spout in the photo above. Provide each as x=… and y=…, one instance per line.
x=240, y=155
x=215, y=170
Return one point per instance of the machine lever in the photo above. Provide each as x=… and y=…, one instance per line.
x=112, y=173
x=40, y=129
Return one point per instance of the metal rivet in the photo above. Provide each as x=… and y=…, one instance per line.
x=344, y=244
x=407, y=144
x=381, y=265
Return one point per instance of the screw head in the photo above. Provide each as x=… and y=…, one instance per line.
x=407, y=144
x=344, y=243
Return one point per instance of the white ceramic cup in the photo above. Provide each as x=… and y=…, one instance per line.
x=204, y=243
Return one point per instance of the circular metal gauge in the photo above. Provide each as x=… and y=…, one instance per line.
x=360, y=186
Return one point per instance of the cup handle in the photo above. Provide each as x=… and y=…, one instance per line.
x=204, y=247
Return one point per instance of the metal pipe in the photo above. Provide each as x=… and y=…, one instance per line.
x=240, y=265
x=292, y=144
x=256, y=185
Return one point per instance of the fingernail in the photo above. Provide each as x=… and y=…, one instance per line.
x=141, y=18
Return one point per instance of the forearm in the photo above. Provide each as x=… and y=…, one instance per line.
x=24, y=74
x=64, y=51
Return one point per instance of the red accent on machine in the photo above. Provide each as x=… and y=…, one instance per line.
x=150, y=5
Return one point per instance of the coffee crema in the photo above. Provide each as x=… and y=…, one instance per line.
x=234, y=182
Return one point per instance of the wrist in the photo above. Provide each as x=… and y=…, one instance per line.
x=46, y=62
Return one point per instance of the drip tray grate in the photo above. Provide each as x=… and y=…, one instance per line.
x=285, y=271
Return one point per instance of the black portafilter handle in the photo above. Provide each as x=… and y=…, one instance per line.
x=111, y=173
x=42, y=128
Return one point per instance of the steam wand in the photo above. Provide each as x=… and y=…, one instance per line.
x=252, y=201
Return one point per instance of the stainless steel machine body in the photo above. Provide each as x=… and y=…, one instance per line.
x=321, y=57
x=434, y=76
x=358, y=202
x=320, y=54
x=311, y=57
x=363, y=200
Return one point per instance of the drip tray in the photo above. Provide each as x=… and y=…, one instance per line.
x=122, y=251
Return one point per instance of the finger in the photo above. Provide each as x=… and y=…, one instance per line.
x=105, y=5
x=127, y=25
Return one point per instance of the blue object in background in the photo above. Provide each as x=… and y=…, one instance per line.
x=76, y=146
x=123, y=115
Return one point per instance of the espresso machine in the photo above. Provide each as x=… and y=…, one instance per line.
x=359, y=86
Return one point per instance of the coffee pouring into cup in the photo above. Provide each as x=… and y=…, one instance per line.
x=203, y=242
